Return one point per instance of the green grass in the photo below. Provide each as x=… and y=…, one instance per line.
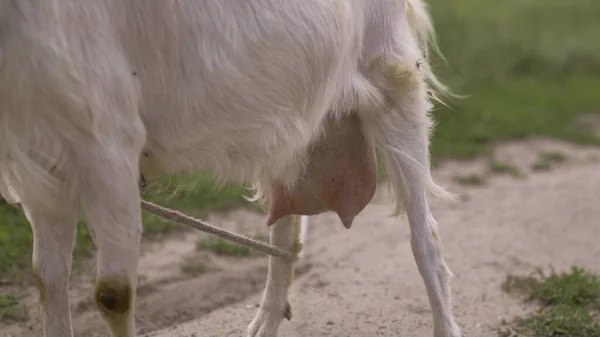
x=559, y=321
x=472, y=179
x=530, y=68
x=11, y=310
x=498, y=167
x=569, y=304
x=575, y=288
x=494, y=167
x=193, y=268
x=547, y=160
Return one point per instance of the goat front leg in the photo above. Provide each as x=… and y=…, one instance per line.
x=111, y=203
x=274, y=306
x=53, y=242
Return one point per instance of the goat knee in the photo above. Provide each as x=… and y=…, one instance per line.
x=113, y=297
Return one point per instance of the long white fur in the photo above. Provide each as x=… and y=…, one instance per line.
x=94, y=92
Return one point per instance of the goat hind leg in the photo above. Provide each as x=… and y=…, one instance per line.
x=425, y=243
x=402, y=136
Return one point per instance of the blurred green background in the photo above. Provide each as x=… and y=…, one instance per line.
x=530, y=68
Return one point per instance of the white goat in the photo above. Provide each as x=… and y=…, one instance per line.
x=95, y=92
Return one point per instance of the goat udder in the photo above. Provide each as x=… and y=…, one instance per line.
x=341, y=176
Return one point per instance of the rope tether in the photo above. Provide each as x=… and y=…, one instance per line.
x=176, y=216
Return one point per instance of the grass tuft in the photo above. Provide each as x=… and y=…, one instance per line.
x=547, y=160
x=498, y=167
x=472, y=179
x=569, y=304
x=193, y=268
x=577, y=288
x=11, y=310
x=560, y=321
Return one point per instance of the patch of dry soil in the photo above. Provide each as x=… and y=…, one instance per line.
x=363, y=281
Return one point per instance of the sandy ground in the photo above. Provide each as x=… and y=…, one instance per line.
x=364, y=281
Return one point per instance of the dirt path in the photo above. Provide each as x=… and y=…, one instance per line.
x=363, y=281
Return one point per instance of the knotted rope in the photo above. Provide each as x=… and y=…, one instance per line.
x=178, y=217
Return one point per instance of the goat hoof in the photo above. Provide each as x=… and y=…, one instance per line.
x=287, y=312
x=266, y=323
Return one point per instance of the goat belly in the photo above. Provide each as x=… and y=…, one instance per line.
x=341, y=176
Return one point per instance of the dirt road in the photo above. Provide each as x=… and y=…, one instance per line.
x=363, y=281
